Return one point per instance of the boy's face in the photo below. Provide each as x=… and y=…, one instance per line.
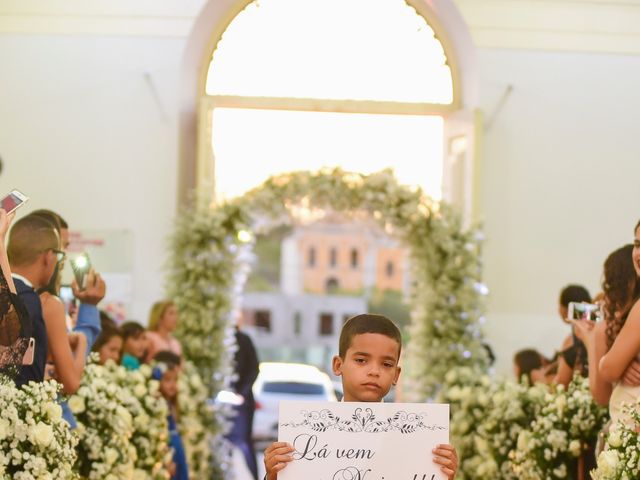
x=369, y=368
x=135, y=345
x=169, y=384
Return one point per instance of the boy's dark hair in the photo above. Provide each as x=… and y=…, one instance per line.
x=170, y=359
x=367, y=323
x=131, y=329
x=637, y=227
x=574, y=293
x=109, y=329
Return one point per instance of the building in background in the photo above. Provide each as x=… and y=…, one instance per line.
x=329, y=270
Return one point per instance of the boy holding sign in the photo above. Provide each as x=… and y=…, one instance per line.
x=367, y=361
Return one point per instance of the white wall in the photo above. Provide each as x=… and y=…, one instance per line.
x=82, y=133
x=561, y=170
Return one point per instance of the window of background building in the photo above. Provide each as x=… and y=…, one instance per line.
x=263, y=320
x=326, y=324
x=311, y=259
x=332, y=285
x=390, y=269
x=354, y=258
x=333, y=257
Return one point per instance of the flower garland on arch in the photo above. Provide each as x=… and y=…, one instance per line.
x=446, y=297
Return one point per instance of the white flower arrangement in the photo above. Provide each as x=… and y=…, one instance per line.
x=486, y=419
x=568, y=421
x=35, y=441
x=105, y=426
x=621, y=458
x=148, y=411
x=195, y=415
x=447, y=295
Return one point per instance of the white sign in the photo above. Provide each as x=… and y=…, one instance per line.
x=363, y=441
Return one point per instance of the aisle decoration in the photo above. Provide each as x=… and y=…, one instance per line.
x=150, y=427
x=105, y=426
x=621, y=458
x=486, y=419
x=195, y=415
x=447, y=294
x=35, y=442
x=568, y=421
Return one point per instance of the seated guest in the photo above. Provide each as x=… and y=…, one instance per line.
x=529, y=363
x=163, y=320
x=167, y=370
x=109, y=342
x=134, y=345
x=15, y=325
x=33, y=251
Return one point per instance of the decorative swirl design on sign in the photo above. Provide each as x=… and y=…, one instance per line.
x=350, y=473
x=362, y=420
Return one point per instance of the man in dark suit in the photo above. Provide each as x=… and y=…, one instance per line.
x=33, y=251
x=246, y=370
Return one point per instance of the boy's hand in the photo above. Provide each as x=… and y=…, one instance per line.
x=446, y=456
x=276, y=457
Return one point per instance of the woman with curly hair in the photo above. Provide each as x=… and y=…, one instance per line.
x=615, y=344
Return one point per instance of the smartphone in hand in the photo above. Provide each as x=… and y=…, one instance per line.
x=13, y=200
x=81, y=265
x=585, y=311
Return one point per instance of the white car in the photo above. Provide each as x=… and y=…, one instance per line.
x=285, y=381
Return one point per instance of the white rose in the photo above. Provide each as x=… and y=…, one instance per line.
x=41, y=434
x=196, y=381
x=76, y=404
x=154, y=387
x=110, y=456
x=53, y=411
x=125, y=416
x=4, y=428
x=608, y=462
x=139, y=474
x=615, y=439
x=140, y=390
x=145, y=370
x=575, y=448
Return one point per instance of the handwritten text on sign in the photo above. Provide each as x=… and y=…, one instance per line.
x=363, y=441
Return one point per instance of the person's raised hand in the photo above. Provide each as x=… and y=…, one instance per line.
x=584, y=329
x=276, y=457
x=5, y=222
x=94, y=291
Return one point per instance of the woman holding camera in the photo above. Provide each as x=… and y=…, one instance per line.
x=614, y=345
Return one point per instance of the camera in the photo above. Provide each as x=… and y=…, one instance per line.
x=585, y=311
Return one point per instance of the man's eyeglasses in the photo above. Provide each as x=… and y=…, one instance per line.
x=60, y=255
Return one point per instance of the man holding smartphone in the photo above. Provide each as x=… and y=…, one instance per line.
x=88, y=322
